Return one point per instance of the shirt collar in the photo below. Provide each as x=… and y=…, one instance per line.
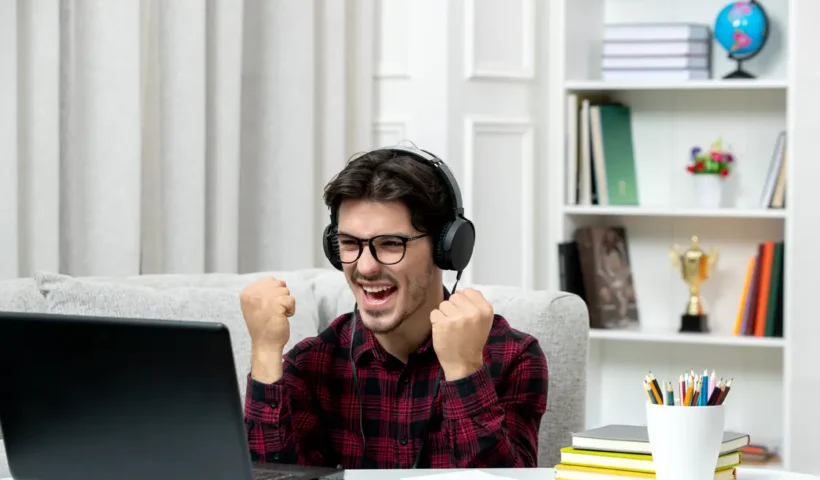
x=365, y=341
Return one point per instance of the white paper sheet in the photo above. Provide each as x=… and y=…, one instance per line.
x=466, y=475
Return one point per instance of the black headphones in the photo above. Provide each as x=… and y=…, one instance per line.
x=453, y=247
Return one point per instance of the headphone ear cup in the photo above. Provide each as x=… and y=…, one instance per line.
x=441, y=255
x=331, y=247
x=455, y=245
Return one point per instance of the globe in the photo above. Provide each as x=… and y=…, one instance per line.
x=742, y=28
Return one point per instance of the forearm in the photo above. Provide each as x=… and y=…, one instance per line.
x=266, y=365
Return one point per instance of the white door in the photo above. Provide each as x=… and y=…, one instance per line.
x=464, y=79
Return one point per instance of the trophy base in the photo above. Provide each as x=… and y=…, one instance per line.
x=693, y=323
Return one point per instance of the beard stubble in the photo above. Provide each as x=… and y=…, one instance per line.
x=416, y=292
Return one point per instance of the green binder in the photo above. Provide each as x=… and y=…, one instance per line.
x=619, y=156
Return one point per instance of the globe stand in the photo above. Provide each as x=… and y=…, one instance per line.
x=739, y=73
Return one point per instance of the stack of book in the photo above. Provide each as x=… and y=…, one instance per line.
x=618, y=452
x=656, y=51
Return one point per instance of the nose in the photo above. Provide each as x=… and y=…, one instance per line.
x=367, y=265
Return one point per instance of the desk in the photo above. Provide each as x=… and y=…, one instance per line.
x=548, y=473
x=747, y=473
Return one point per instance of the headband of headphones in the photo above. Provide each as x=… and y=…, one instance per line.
x=442, y=170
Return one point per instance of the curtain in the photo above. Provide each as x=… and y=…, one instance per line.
x=176, y=136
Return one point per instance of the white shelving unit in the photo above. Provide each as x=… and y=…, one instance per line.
x=669, y=118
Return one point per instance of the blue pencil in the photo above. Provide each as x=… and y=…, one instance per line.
x=704, y=390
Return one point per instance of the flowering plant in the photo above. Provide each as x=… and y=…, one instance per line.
x=715, y=162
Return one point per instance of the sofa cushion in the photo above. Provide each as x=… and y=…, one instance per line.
x=68, y=295
x=20, y=295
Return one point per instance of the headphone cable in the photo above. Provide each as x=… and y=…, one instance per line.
x=359, y=392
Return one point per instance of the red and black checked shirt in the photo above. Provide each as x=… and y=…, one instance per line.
x=311, y=415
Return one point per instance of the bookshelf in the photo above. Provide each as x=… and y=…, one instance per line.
x=668, y=119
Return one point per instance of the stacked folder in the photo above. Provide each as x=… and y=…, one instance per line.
x=656, y=51
x=618, y=452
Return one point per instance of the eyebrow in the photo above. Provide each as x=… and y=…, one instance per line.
x=379, y=235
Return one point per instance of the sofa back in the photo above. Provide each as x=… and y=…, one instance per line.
x=558, y=320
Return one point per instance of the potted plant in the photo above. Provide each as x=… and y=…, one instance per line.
x=710, y=168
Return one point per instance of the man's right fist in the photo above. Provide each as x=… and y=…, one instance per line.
x=266, y=305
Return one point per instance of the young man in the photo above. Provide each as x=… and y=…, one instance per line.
x=414, y=376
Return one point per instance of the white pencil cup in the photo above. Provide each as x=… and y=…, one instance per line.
x=685, y=441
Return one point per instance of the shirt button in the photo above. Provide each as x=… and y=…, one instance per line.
x=276, y=456
x=403, y=440
x=274, y=404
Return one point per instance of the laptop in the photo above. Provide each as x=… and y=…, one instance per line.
x=94, y=398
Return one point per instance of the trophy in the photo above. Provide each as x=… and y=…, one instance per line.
x=695, y=266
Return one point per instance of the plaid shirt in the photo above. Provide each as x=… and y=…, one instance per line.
x=311, y=415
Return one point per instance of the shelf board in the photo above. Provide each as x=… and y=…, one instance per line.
x=638, y=85
x=685, y=338
x=774, y=213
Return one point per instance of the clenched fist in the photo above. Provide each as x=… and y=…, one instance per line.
x=461, y=326
x=266, y=305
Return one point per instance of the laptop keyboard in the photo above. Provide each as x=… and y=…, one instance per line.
x=270, y=475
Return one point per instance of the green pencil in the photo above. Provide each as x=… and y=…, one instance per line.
x=670, y=394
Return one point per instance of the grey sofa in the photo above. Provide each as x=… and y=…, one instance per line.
x=558, y=320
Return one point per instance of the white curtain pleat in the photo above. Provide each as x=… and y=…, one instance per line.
x=38, y=134
x=100, y=201
x=175, y=136
x=182, y=99
x=9, y=219
x=276, y=195
x=223, y=106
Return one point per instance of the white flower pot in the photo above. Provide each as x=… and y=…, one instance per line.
x=708, y=190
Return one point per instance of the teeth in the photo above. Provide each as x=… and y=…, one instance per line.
x=376, y=289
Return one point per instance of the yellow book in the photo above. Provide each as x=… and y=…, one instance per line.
x=750, y=268
x=576, y=472
x=629, y=461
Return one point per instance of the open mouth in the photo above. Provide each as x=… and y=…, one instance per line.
x=378, y=296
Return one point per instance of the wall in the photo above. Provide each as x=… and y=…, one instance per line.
x=466, y=80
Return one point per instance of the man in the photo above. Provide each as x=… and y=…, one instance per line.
x=413, y=376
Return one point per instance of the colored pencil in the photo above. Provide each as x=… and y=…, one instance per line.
x=703, y=399
x=655, y=388
x=713, y=398
x=726, y=389
x=712, y=383
x=690, y=390
x=649, y=394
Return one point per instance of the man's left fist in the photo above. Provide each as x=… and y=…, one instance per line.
x=461, y=326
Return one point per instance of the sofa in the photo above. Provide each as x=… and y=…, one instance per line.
x=558, y=320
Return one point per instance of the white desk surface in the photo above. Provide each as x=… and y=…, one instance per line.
x=747, y=473
x=547, y=473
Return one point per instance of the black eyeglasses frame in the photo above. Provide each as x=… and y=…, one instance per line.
x=405, y=239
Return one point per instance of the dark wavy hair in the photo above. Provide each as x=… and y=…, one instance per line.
x=386, y=176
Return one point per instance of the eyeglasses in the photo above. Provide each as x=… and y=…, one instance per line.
x=386, y=249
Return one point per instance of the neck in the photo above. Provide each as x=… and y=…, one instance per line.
x=412, y=333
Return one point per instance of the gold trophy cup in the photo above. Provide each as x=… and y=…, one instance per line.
x=695, y=266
